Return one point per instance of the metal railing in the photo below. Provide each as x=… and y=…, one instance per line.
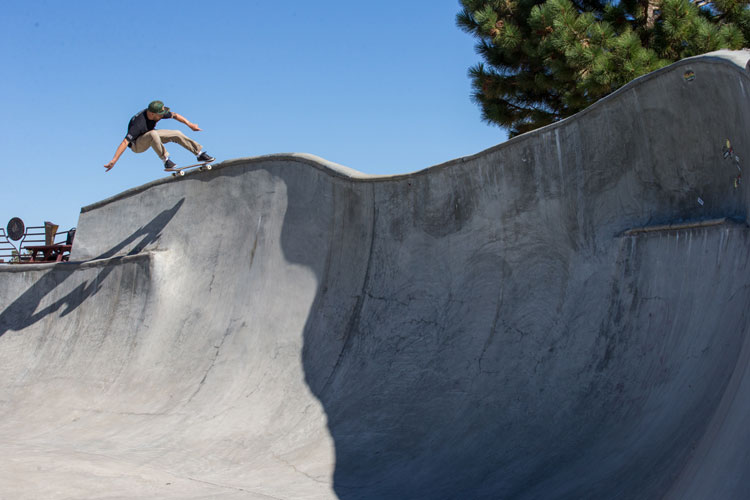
x=14, y=253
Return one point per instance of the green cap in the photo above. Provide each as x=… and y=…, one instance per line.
x=158, y=108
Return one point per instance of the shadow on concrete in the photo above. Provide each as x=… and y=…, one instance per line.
x=23, y=311
x=476, y=370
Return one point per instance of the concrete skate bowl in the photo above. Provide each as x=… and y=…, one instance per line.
x=562, y=316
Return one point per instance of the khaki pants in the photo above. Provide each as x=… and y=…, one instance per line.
x=155, y=139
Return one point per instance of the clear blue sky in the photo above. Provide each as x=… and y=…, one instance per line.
x=380, y=87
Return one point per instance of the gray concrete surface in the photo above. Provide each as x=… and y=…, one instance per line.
x=500, y=326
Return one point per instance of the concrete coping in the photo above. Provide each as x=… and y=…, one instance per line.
x=722, y=221
x=740, y=59
x=71, y=266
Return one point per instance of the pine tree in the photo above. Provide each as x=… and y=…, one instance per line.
x=544, y=60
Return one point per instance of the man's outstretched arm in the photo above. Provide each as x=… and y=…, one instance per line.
x=187, y=122
x=118, y=153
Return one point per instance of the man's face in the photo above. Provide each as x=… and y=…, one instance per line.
x=153, y=116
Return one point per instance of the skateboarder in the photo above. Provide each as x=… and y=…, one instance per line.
x=141, y=136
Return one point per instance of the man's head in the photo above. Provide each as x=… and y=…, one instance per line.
x=157, y=109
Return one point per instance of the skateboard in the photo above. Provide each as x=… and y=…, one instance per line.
x=204, y=165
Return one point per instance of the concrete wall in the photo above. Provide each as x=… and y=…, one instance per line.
x=282, y=327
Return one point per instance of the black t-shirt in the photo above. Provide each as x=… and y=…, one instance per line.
x=140, y=124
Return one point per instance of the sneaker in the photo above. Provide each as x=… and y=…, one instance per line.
x=205, y=157
x=169, y=164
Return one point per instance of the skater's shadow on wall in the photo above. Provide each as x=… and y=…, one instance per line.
x=24, y=311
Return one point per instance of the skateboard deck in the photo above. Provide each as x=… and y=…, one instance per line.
x=204, y=165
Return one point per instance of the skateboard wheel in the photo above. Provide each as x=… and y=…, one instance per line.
x=182, y=172
x=208, y=167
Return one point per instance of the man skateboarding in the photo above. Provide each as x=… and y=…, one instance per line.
x=141, y=136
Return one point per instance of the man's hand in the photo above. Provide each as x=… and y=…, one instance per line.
x=118, y=153
x=193, y=126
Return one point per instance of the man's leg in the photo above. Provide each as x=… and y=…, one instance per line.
x=150, y=140
x=179, y=138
